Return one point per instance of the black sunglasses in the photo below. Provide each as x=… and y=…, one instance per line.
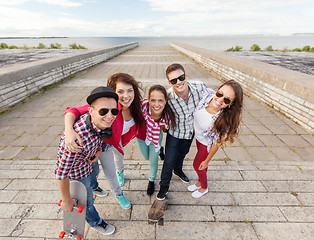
x=226, y=100
x=174, y=81
x=104, y=111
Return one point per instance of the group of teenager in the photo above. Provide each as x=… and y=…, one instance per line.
x=117, y=113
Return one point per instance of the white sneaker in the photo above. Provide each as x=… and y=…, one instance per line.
x=105, y=228
x=198, y=194
x=193, y=188
x=100, y=192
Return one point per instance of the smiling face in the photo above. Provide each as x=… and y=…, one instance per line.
x=126, y=94
x=218, y=103
x=181, y=86
x=105, y=121
x=157, y=102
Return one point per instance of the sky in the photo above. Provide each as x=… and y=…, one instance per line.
x=122, y=18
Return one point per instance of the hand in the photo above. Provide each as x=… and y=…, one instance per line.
x=203, y=165
x=67, y=205
x=70, y=143
x=95, y=158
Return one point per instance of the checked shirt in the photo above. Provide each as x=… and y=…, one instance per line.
x=184, y=111
x=74, y=165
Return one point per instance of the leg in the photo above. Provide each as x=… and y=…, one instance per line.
x=172, y=145
x=183, y=149
x=153, y=160
x=92, y=216
x=118, y=158
x=94, y=174
x=107, y=162
x=200, y=157
x=143, y=148
x=109, y=168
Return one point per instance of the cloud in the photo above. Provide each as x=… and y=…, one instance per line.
x=63, y=3
x=196, y=19
x=17, y=22
x=12, y=2
x=218, y=5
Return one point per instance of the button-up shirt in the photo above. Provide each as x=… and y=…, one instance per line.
x=184, y=110
x=74, y=165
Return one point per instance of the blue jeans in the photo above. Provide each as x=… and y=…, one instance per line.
x=95, y=166
x=150, y=154
x=93, y=175
x=175, y=151
x=92, y=216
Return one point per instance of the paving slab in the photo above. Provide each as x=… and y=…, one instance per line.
x=261, y=187
x=288, y=231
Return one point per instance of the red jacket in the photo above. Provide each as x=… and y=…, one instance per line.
x=117, y=127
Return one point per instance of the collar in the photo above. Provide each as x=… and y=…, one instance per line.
x=191, y=87
x=97, y=129
x=119, y=106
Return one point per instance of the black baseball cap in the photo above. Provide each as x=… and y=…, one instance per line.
x=100, y=92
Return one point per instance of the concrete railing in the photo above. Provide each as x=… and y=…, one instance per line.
x=19, y=81
x=290, y=92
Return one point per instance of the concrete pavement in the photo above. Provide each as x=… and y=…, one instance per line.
x=261, y=187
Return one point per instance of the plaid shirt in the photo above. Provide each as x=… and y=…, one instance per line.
x=184, y=111
x=74, y=165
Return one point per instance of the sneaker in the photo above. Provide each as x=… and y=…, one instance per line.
x=193, y=188
x=105, y=228
x=181, y=175
x=161, y=153
x=162, y=192
x=150, y=188
x=120, y=177
x=100, y=192
x=198, y=194
x=124, y=203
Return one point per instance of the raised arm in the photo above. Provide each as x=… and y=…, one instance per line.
x=73, y=142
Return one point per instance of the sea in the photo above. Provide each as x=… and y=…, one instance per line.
x=218, y=43
x=298, y=61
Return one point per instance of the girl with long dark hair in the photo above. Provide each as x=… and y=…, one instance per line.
x=216, y=122
x=158, y=115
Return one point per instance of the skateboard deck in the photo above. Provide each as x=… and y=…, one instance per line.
x=157, y=210
x=74, y=222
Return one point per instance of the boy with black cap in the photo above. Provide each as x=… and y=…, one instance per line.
x=91, y=127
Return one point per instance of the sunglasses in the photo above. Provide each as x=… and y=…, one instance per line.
x=104, y=111
x=226, y=100
x=174, y=81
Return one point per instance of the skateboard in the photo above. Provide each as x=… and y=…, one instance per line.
x=74, y=222
x=157, y=211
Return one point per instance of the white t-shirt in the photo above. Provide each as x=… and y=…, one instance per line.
x=203, y=122
x=127, y=125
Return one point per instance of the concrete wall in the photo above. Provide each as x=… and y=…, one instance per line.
x=290, y=92
x=21, y=80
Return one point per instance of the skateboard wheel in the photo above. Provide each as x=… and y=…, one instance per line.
x=61, y=235
x=78, y=238
x=59, y=203
x=80, y=209
x=161, y=222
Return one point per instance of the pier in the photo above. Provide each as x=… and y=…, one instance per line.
x=260, y=188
